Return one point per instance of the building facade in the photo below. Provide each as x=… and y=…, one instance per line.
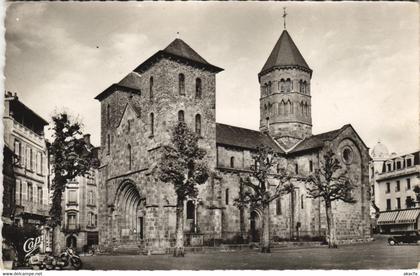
x=80, y=208
x=24, y=135
x=176, y=83
x=393, y=178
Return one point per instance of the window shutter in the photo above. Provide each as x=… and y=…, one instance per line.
x=18, y=191
x=24, y=191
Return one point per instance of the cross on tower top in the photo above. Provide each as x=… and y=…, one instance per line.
x=284, y=17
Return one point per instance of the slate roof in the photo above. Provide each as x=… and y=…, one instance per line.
x=181, y=51
x=244, y=138
x=116, y=86
x=317, y=141
x=285, y=54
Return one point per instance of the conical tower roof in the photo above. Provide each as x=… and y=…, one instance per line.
x=285, y=54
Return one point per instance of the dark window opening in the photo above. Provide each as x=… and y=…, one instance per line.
x=397, y=188
x=301, y=201
x=108, y=144
x=398, y=203
x=227, y=196
x=408, y=184
x=232, y=162
x=198, y=124
x=181, y=84
x=198, y=88
x=296, y=168
x=409, y=163
x=278, y=206
x=190, y=209
x=151, y=87
x=311, y=166
x=129, y=156
x=388, y=204
x=181, y=116
x=152, y=124
x=388, y=187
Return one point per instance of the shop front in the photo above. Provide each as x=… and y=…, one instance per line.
x=399, y=221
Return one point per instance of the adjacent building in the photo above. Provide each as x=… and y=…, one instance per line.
x=80, y=208
x=26, y=180
x=393, y=178
x=136, y=210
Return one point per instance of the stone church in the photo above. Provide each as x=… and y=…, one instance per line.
x=137, y=210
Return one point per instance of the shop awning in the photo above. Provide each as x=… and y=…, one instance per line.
x=407, y=216
x=387, y=217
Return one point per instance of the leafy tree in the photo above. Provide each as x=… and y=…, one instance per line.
x=182, y=165
x=71, y=157
x=410, y=202
x=329, y=183
x=257, y=193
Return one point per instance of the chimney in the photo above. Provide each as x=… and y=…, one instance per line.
x=86, y=137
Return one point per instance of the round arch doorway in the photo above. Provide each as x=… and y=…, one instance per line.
x=71, y=241
x=255, y=225
x=129, y=213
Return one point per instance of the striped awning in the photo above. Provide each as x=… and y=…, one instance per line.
x=387, y=217
x=407, y=216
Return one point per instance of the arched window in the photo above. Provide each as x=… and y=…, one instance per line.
x=269, y=87
x=190, y=209
x=281, y=109
x=282, y=86
x=232, y=162
x=198, y=124
x=152, y=124
x=151, y=87
x=108, y=114
x=129, y=156
x=181, y=116
x=227, y=196
x=306, y=109
x=301, y=89
x=301, y=201
x=290, y=104
x=288, y=85
x=278, y=206
x=181, y=84
x=305, y=87
x=198, y=88
x=301, y=108
x=108, y=144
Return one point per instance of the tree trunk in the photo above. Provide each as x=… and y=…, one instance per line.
x=56, y=240
x=292, y=214
x=332, y=243
x=179, y=244
x=265, y=239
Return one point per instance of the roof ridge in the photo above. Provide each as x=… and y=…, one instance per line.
x=239, y=127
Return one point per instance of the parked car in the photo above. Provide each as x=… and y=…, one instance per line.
x=404, y=237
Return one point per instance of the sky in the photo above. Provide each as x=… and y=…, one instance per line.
x=364, y=57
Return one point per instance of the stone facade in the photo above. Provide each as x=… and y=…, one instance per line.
x=24, y=135
x=136, y=210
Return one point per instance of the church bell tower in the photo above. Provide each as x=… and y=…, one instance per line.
x=285, y=101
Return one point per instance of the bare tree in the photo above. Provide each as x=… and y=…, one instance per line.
x=329, y=183
x=256, y=191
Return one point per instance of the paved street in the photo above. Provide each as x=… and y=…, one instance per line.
x=375, y=255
